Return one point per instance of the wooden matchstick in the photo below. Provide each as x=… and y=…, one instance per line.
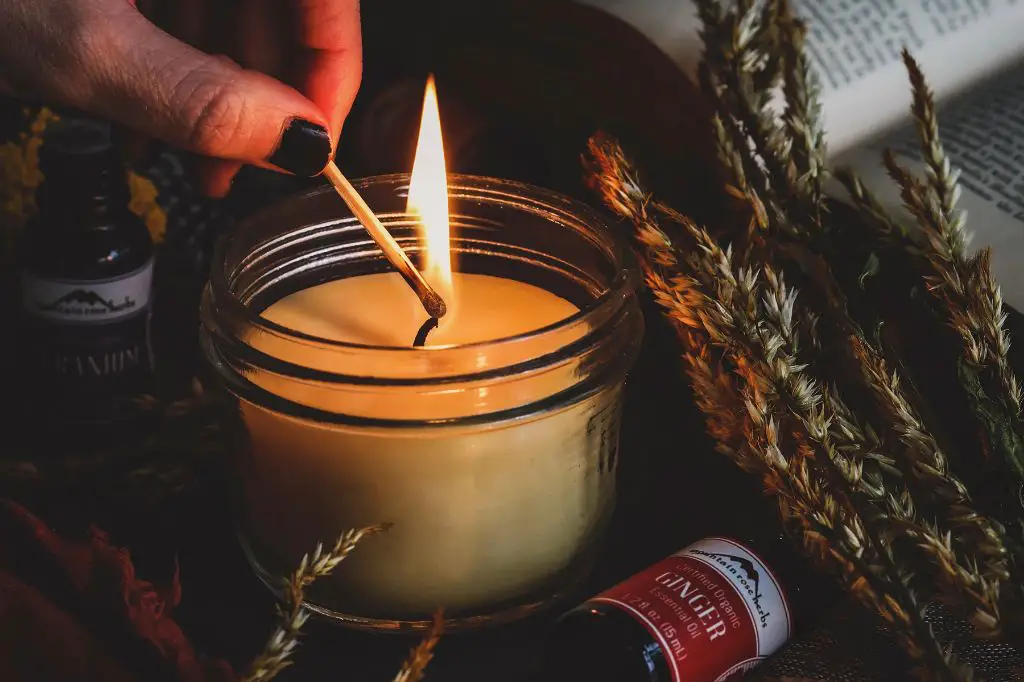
x=431, y=300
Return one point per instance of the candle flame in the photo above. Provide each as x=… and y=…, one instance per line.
x=428, y=197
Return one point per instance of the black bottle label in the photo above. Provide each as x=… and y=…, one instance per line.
x=64, y=301
x=88, y=343
x=715, y=609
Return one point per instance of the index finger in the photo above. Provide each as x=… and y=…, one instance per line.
x=331, y=34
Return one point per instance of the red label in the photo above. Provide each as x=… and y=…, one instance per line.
x=715, y=608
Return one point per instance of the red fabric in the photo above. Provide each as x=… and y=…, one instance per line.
x=73, y=609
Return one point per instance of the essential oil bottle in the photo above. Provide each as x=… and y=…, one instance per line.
x=708, y=613
x=86, y=276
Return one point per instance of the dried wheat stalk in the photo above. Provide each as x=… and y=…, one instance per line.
x=929, y=465
x=416, y=664
x=971, y=298
x=802, y=118
x=276, y=654
x=747, y=53
x=969, y=302
x=715, y=303
x=802, y=124
x=964, y=285
x=882, y=500
x=870, y=489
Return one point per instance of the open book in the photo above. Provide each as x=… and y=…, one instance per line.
x=971, y=52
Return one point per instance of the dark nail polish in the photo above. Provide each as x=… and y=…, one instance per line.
x=304, y=149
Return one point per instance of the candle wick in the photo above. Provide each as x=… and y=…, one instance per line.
x=427, y=327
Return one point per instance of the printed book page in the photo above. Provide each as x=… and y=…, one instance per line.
x=854, y=46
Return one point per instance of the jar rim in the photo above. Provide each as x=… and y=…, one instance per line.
x=621, y=286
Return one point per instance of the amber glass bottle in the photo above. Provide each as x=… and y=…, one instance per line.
x=86, y=278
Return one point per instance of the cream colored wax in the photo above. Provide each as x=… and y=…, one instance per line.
x=482, y=513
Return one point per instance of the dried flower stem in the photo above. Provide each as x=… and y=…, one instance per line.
x=835, y=542
x=415, y=665
x=802, y=117
x=775, y=392
x=748, y=51
x=847, y=487
x=734, y=69
x=943, y=179
x=872, y=209
x=776, y=385
x=972, y=305
x=722, y=304
x=972, y=299
x=888, y=502
x=929, y=465
x=717, y=397
x=887, y=507
x=802, y=121
x=276, y=654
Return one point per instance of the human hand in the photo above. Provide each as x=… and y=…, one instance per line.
x=231, y=103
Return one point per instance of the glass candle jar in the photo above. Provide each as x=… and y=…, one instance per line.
x=494, y=460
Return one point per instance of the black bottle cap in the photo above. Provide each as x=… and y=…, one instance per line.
x=80, y=163
x=76, y=145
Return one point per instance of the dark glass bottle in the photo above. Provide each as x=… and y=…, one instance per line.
x=709, y=613
x=86, y=279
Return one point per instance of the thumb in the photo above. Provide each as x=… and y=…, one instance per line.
x=144, y=78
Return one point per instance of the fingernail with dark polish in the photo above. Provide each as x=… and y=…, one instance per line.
x=304, y=149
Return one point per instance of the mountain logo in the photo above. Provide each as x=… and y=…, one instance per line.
x=88, y=299
x=747, y=567
x=746, y=574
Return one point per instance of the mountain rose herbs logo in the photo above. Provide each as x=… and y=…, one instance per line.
x=85, y=302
